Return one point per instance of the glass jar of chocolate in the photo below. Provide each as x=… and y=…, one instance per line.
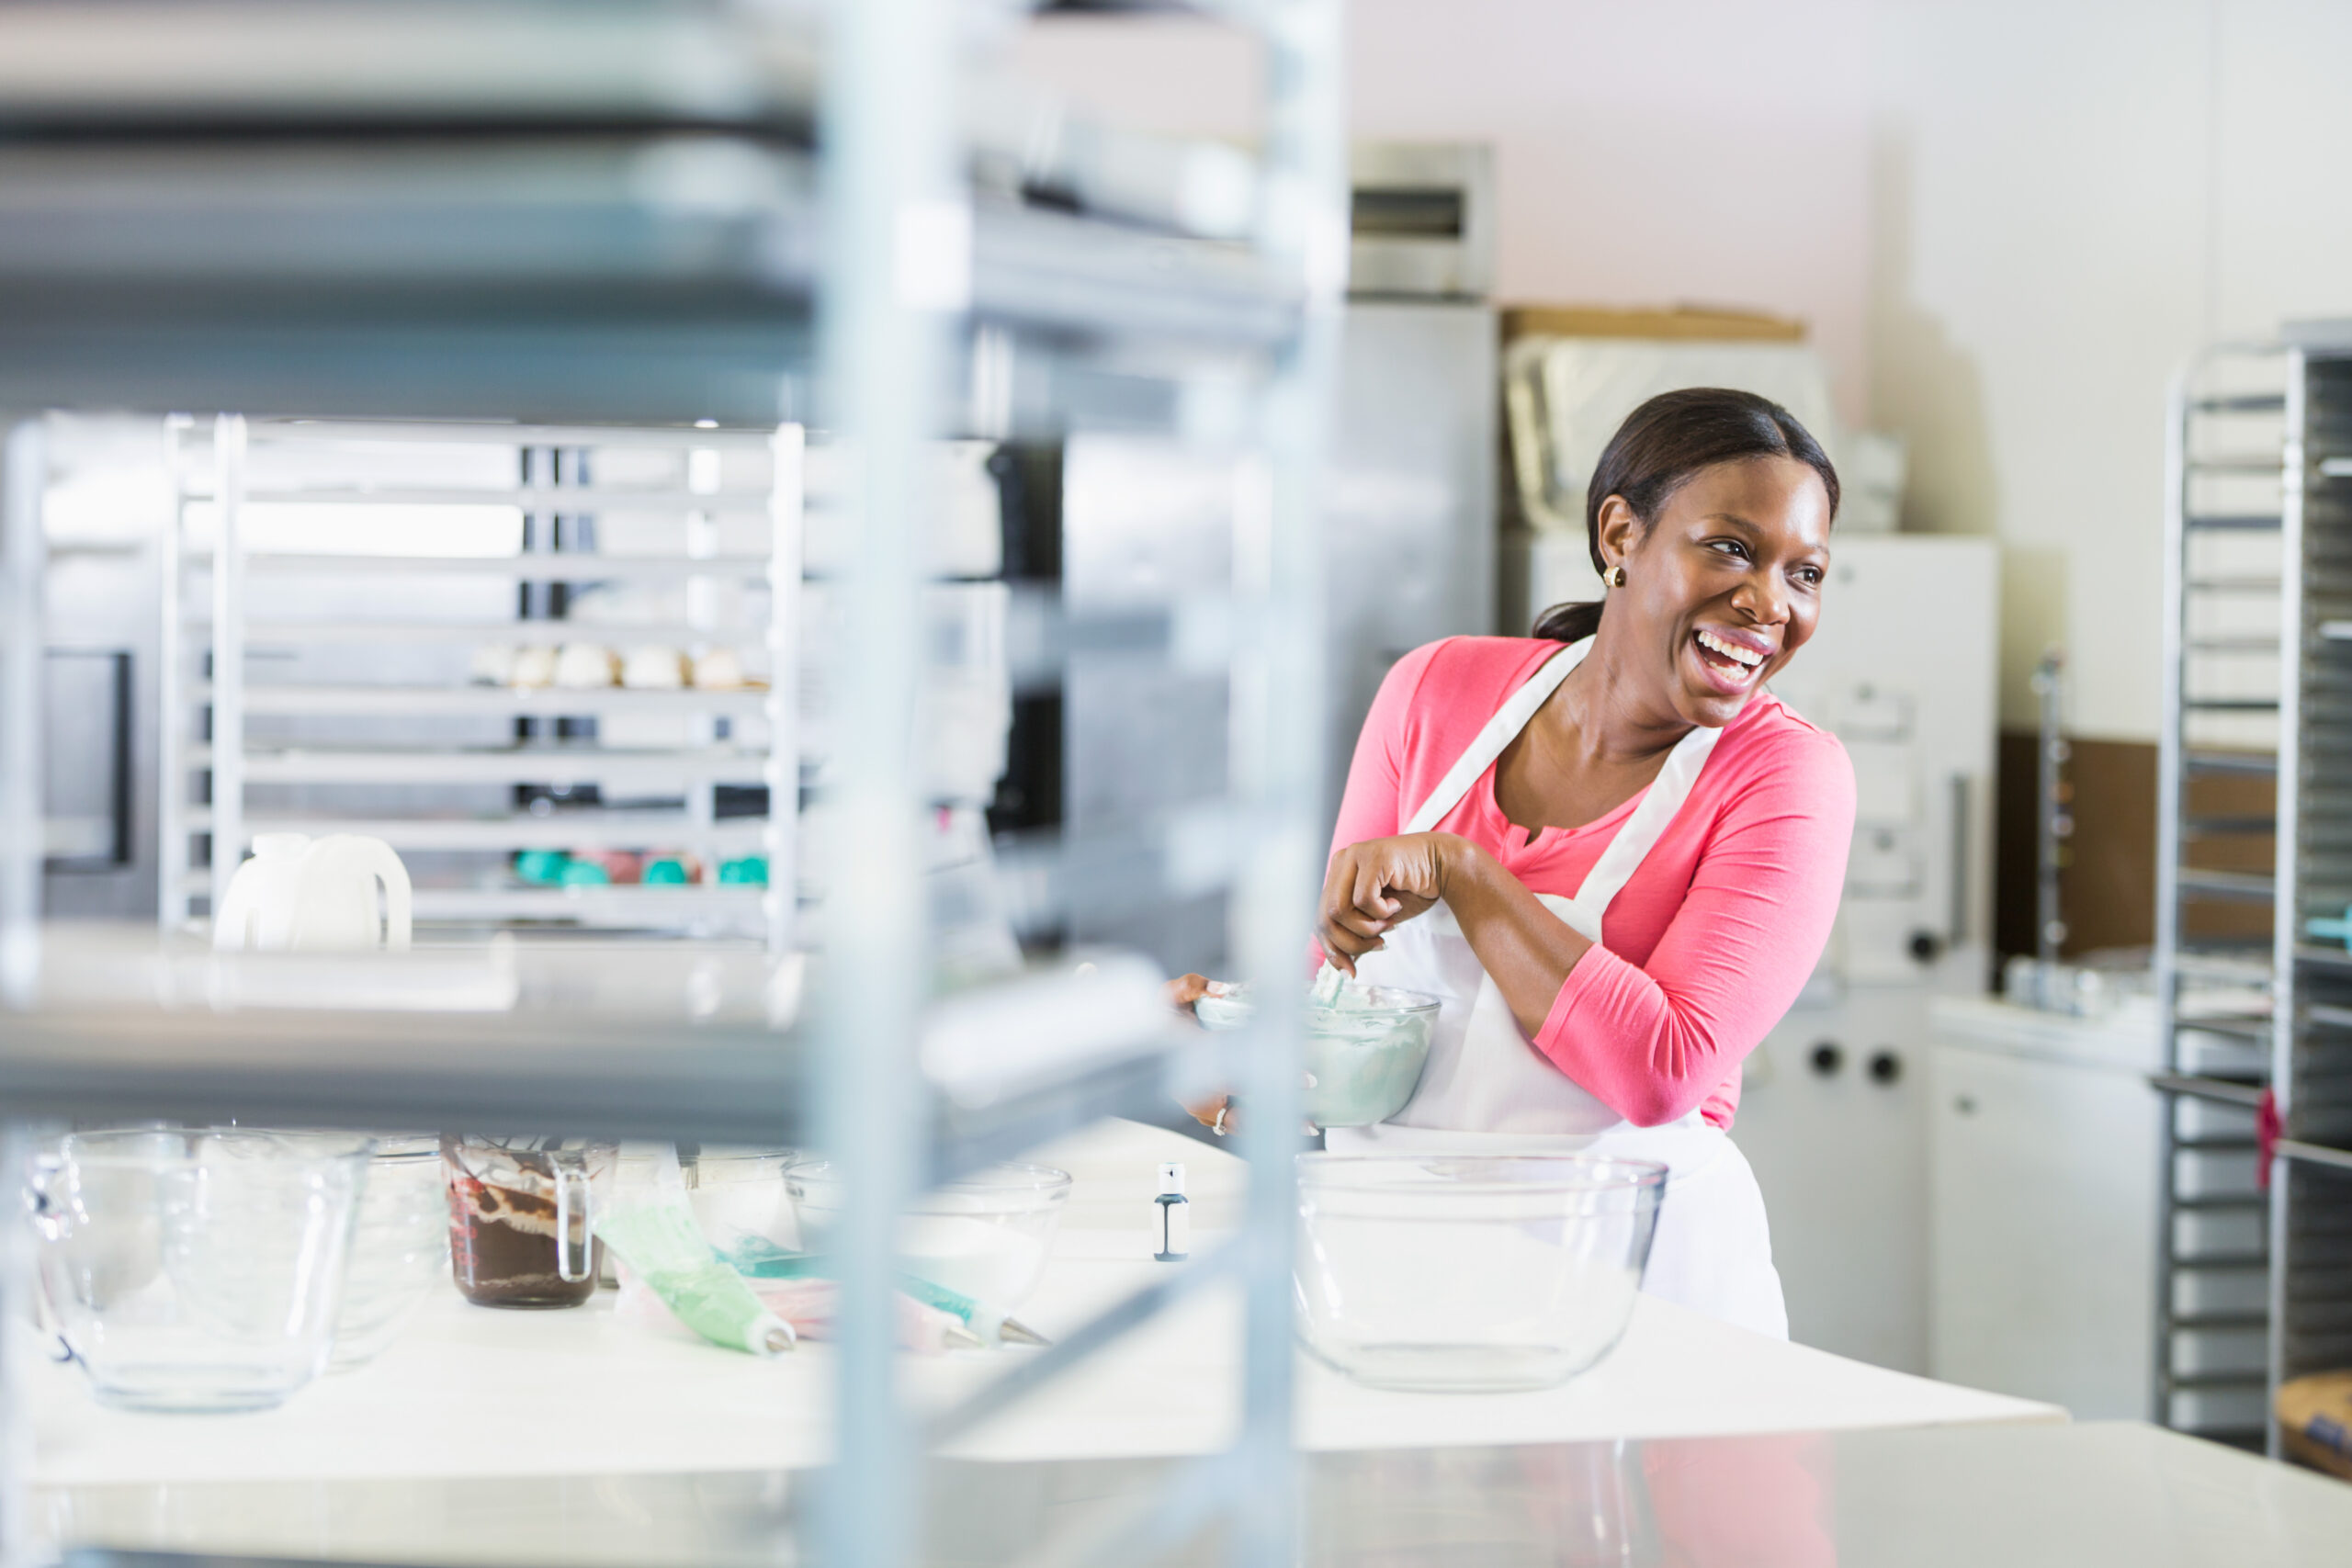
x=522, y=1216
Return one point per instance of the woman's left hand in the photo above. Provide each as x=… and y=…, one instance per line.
x=1184, y=990
x=1216, y=1114
x=1378, y=885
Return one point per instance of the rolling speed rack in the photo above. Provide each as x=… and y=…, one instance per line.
x=2255, y=874
x=353, y=614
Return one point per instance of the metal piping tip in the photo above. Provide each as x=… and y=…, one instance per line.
x=1015, y=1332
x=955, y=1337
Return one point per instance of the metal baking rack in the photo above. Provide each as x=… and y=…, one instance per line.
x=2255, y=1246
x=344, y=682
x=518, y=212
x=2311, y=1070
x=2217, y=826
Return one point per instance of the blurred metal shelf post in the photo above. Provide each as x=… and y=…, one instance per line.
x=1307, y=224
x=897, y=271
x=23, y=841
x=23, y=828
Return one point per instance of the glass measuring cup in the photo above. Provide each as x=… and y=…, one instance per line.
x=522, y=1217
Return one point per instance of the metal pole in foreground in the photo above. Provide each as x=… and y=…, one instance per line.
x=1304, y=224
x=228, y=674
x=898, y=270
x=23, y=565
x=19, y=1547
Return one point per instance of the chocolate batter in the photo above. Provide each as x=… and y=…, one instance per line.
x=502, y=1239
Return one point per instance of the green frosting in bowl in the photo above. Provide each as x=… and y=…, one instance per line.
x=1364, y=1047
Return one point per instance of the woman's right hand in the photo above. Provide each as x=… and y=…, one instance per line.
x=1375, y=887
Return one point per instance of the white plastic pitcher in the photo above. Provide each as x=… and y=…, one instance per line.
x=314, y=896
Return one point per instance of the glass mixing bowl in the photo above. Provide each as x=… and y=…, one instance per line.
x=197, y=1270
x=1470, y=1273
x=400, y=1247
x=986, y=1235
x=1364, y=1056
x=739, y=1199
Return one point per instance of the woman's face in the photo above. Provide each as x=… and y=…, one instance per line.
x=1724, y=585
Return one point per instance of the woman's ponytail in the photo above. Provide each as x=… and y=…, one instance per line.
x=1569, y=622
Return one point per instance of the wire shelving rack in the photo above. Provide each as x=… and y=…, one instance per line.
x=795, y=237
x=2308, y=1125
x=403, y=707
x=2217, y=826
x=2255, y=1246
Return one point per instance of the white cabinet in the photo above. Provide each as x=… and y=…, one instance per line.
x=1832, y=1115
x=2043, y=1204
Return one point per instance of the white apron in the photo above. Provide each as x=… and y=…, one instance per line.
x=1487, y=1090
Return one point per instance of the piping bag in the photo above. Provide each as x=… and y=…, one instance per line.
x=652, y=1227
x=809, y=1305
x=761, y=1262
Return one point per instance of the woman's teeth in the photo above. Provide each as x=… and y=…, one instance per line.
x=1746, y=658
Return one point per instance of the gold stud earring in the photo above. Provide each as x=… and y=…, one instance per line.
x=1617, y=576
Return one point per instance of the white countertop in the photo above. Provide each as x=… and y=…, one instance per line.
x=2126, y=1037
x=2048, y=1496
x=472, y=1392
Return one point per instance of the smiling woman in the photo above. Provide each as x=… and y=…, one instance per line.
x=1616, y=861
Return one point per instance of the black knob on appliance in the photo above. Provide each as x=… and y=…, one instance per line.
x=1926, y=946
x=1828, y=1058
x=1885, y=1067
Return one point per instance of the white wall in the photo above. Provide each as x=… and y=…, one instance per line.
x=1686, y=151
x=2283, y=122
x=2007, y=220
x=2069, y=197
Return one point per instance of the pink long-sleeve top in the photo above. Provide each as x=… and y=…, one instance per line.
x=1710, y=939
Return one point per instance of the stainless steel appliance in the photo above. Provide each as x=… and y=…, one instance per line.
x=1409, y=528
x=103, y=500
x=1410, y=516
x=1423, y=221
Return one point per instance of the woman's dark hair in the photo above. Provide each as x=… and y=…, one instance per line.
x=1662, y=446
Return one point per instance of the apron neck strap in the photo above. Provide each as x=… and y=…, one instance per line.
x=1500, y=731
x=1635, y=837
x=1640, y=833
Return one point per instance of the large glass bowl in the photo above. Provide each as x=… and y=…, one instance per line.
x=985, y=1234
x=196, y=1270
x=1363, y=1058
x=735, y=1192
x=1470, y=1273
x=739, y=1199
x=400, y=1249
